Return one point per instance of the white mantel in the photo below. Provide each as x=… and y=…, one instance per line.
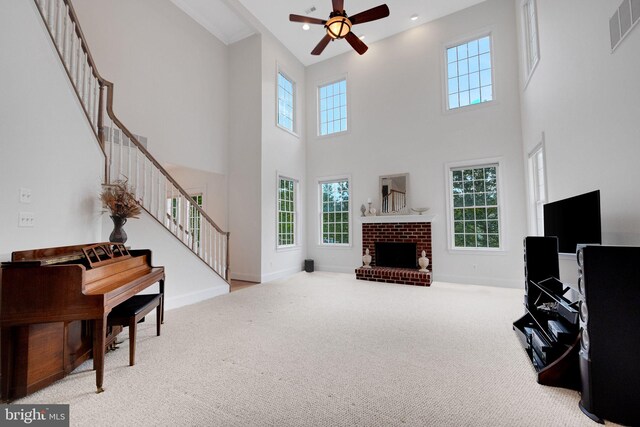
x=397, y=218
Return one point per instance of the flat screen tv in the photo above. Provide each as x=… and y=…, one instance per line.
x=574, y=220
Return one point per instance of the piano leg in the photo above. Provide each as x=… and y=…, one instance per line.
x=162, y=301
x=99, y=336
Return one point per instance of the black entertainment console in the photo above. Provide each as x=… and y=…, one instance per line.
x=549, y=328
x=591, y=345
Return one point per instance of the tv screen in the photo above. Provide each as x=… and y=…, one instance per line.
x=574, y=220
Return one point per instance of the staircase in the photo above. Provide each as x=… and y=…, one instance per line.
x=126, y=159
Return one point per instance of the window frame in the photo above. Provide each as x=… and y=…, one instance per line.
x=526, y=38
x=296, y=212
x=445, y=72
x=294, y=107
x=535, y=227
x=499, y=162
x=319, y=230
x=318, y=112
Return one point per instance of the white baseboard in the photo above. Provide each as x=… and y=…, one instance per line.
x=280, y=274
x=194, y=297
x=246, y=277
x=483, y=281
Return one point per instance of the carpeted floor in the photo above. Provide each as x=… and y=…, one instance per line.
x=325, y=349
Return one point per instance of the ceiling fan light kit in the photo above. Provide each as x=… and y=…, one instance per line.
x=339, y=25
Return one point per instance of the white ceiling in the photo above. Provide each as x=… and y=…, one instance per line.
x=226, y=23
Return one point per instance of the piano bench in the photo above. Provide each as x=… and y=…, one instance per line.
x=132, y=311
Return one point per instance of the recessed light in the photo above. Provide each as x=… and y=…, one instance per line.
x=414, y=17
x=306, y=27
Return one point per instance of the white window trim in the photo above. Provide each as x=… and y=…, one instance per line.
x=325, y=83
x=294, y=132
x=445, y=73
x=533, y=231
x=296, y=216
x=529, y=68
x=502, y=223
x=319, y=182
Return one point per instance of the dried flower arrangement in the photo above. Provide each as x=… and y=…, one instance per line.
x=119, y=199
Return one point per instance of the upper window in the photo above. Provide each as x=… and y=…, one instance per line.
x=469, y=73
x=538, y=189
x=530, y=27
x=286, y=102
x=333, y=107
x=334, y=212
x=475, y=206
x=286, y=211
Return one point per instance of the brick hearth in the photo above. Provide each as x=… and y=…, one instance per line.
x=401, y=232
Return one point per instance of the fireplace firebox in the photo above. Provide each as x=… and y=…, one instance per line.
x=396, y=254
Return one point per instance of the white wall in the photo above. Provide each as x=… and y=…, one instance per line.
x=397, y=125
x=212, y=186
x=585, y=100
x=170, y=78
x=282, y=152
x=188, y=279
x=46, y=143
x=245, y=158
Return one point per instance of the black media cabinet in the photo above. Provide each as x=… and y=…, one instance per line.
x=549, y=328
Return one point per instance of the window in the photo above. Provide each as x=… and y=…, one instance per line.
x=286, y=211
x=333, y=107
x=530, y=27
x=175, y=213
x=475, y=213
x=538, y=189
x=334, y=212
x=286, y=102
x=469, y=75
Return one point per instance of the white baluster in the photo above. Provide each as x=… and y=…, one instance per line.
x=64, y=45
x=41, y=4
x=57, y=35
x=73, y=52
x=49, y=14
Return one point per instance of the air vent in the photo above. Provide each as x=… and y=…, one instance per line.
x=311, y=9
x=116, y=136
x=623, y=20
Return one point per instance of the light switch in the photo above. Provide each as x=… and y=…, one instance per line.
x=25, y=195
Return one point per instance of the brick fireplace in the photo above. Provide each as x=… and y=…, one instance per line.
x=414, y=229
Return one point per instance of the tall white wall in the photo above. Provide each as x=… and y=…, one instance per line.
x=585, y=100
x=245, y=158
x=282, y=152
x=398, y=124
x=170, y=78
x=46, y=143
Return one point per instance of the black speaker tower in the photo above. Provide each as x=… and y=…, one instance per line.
x=609, y=286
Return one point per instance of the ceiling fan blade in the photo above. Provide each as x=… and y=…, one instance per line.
x=377, y=12
x=338, y=5
x=320, y=46
x=306, y=19
x=356, y=43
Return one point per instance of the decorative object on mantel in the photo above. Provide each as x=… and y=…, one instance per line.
x=363, y=210
x=423, y=261
x=122, y=204
x=366, y=259
x=393, y=192
x=371, y=211
x=419, y=210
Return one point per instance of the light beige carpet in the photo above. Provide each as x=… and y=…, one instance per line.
x=325, y=349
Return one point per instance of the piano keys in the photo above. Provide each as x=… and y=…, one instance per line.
x=54, y=304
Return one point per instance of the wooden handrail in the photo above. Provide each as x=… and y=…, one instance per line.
x=101, y=107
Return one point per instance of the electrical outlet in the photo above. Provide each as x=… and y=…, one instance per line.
x=25, y=195
x=27, y=219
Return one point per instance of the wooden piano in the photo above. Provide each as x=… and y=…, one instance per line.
x=54, y=304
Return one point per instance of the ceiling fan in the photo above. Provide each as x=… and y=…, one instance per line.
x=339, y=24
